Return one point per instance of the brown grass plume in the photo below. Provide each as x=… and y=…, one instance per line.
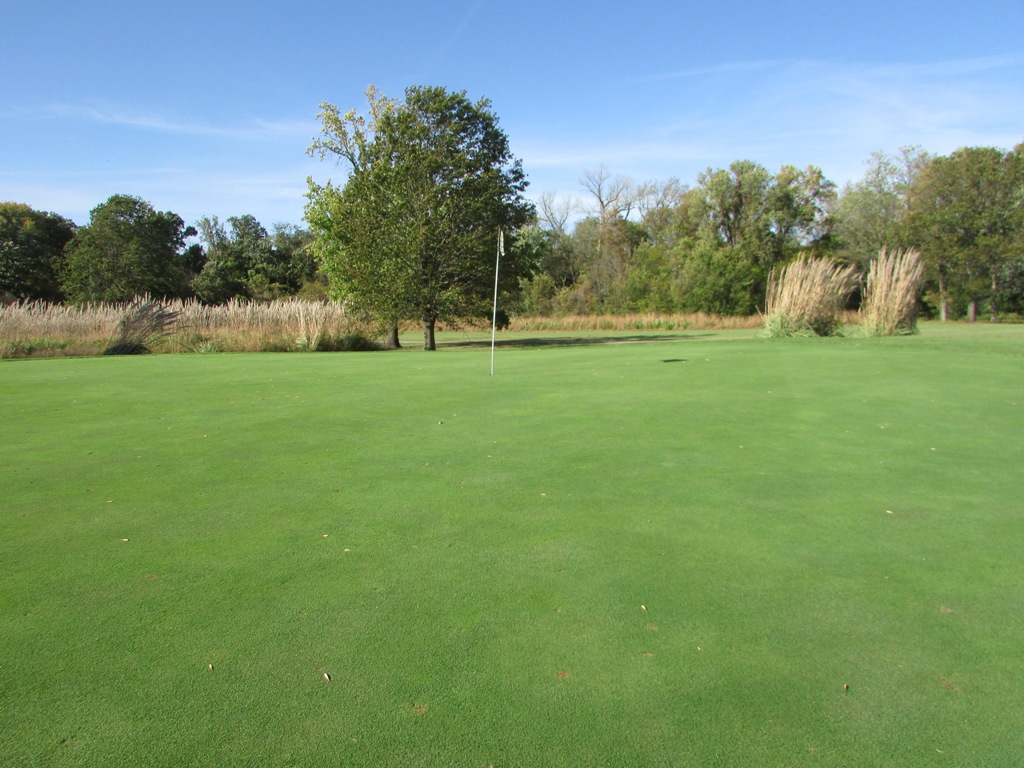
x=806, y=297
x=890, y=297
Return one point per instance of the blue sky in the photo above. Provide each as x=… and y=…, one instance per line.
x=206, y=108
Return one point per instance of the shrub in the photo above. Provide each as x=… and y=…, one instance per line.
x=890, y=297
x=348, y=342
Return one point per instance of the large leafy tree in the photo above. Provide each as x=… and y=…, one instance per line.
x=128, y=249
x=871, y=213
x=412, y=232
x=31, y=252
x=966, y=212
x=740, y=222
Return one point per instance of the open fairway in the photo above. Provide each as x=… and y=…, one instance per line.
x=674, y=552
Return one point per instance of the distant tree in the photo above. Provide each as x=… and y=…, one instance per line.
x=605, y=243
x=413, y=231
x=870, y=213
x=1010, y=287
x=224, y=275
x=560, y=261
x=966, y=217
x=31, y=252
x=739, y=223
x=245, y=261
x=292, y=246
x=658, y=203
x=128, y=249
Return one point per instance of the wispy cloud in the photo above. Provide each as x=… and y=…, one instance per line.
x=255, y=129
x=822, y=112
x=272, y=196
x=725, y=68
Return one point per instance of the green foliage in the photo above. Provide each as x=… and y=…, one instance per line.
x=128, y=249
x=31, y=252
x=717, y=280
x=967, y=218
x=248, y=262
x=871, y=213
x=35, y=347
x=649, y=283
x=706, y=249
x=1009, y=295
x=348, y=342
x=413, y=230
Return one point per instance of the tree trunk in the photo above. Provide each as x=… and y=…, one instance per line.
x=972, y=310
x=993, y=304
x=428, y=333
x=943, y=300
x=392, y=341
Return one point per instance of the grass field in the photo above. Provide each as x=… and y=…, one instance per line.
x=698, y=549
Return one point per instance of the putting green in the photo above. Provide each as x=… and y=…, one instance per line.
x=681, y=549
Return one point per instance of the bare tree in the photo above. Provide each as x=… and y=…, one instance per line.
x=554, y=212
x=655, y=195
x=615, y=197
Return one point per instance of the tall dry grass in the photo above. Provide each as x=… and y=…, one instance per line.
x=634, y=322
x=806, y=297
x=40, y=329
x=890, y=296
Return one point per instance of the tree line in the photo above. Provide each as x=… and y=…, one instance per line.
x=413, y=229
x=667, y=247
x=129, y=249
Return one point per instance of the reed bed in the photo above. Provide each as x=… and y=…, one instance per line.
x=890, y=298
x=806, y=298
x=40, y=329
x=635, y=322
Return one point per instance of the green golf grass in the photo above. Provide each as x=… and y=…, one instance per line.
x=679, y=551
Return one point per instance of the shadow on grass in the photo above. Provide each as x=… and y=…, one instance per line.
x=569, y=341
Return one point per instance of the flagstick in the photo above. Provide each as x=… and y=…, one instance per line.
x=494, y=316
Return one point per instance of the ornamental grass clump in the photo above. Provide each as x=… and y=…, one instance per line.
x=890, y=297
x=806, y=298
x=144, y=321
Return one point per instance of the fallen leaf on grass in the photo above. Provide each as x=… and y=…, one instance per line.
x=563, y=675
x=419, y=709
x=327, y=677
x=948, y=684
x=652, y=628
